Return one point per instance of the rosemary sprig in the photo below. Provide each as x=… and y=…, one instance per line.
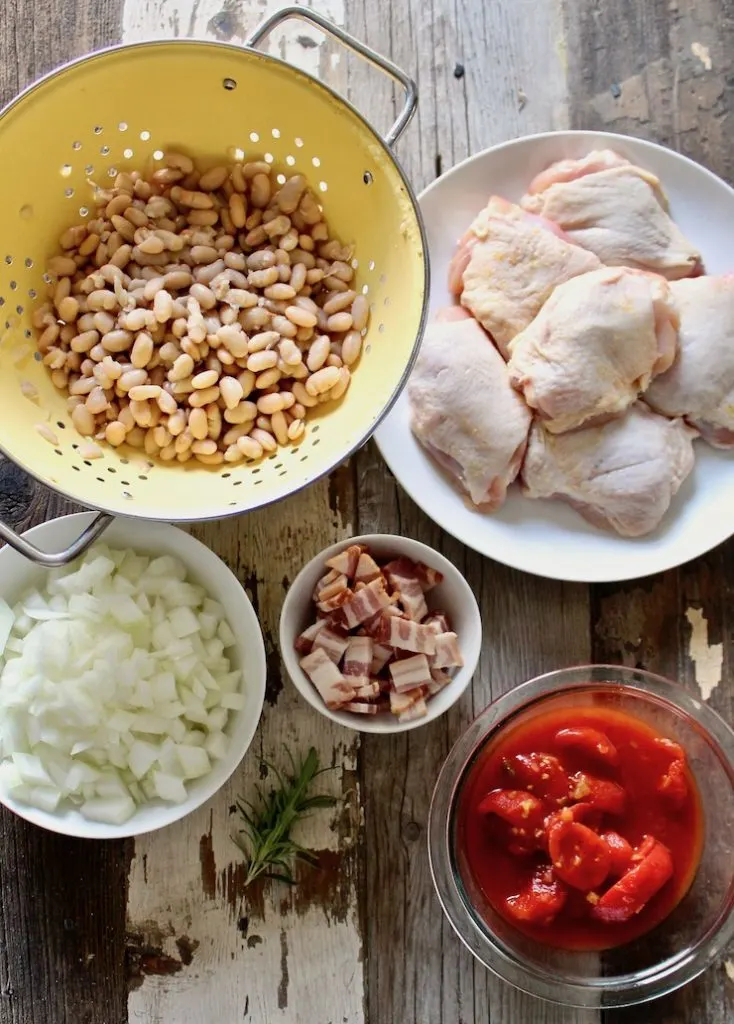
x=268, y=846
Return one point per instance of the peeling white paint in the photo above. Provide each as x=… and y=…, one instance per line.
x=703, y=54
x=296, y=41
x=708, y=659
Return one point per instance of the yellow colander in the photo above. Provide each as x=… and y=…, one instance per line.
x=121, y=109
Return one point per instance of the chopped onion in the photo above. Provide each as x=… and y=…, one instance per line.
x=6, y=624
x=115, y=686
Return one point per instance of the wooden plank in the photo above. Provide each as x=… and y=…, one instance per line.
x=485, y=73
x=663, y=71
x=200, y=947
x=62, y=901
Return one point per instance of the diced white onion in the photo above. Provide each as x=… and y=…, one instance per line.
x=115, y=686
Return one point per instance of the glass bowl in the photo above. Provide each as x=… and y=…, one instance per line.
x=698, y=929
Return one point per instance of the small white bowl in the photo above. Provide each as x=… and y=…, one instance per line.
x=453, y=595
x=17, y=574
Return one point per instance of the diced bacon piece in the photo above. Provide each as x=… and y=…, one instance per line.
x=365, y=603
x=335, y=644
x=380, y=657
x=334, y=588
x=335, y=622
x=417, y=710
x=357, y=660
x=400, y=702
x=424, y=574
x=428, y=577
x=439, y=679
x=406, y=585
x=406, y=635
x=369, y=691
x=333, y=603
x=412, y=600
x=410, y=673
x=360, y=708
x=346, y=561
x=438, y=622
x=367, y=568
x=325, y=581
x=372, y=625
x=327, y=678
x=447, y=653
x=304, y=642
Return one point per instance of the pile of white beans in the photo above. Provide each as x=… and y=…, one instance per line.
x=201, y=315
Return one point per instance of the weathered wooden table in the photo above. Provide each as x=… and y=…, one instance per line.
x=160, y=929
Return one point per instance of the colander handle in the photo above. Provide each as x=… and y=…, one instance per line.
x=306, y=14
x=53, y=561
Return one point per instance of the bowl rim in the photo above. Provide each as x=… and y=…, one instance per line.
x=369, y=724
x=604, y=992
x=222, y=771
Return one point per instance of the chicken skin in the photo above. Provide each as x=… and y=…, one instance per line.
x=700, y=383
x=464, y=411
x=594, y=346
x=617, y=211
x=621, y=475
x=507, y=265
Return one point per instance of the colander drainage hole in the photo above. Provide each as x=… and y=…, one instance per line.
x=229, y=84
x=367, y=178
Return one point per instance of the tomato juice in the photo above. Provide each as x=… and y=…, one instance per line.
x=582, y=827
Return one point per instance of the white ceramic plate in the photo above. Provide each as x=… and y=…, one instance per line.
x=548, y=538
x=17, y=574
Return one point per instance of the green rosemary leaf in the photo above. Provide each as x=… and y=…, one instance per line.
x=268, y=846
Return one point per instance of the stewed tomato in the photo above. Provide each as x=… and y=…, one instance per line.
x=583, y=827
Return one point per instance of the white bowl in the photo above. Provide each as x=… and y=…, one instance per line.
x=17, y=574
x=453, y=595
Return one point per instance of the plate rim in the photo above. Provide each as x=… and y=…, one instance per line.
x=564, y=574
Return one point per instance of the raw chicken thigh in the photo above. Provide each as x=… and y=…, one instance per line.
x=700, y=383
x=595, y=344
x=621, y=475
x=616, y=210
x=507, y=265
x=464, y=411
